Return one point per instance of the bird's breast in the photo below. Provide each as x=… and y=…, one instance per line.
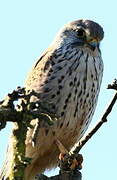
x=71, y=86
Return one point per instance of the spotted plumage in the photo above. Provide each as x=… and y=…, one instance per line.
x=68, y=75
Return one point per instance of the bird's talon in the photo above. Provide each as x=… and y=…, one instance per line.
x=69, y=162
x=78, y=161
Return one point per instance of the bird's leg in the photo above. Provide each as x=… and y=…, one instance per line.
x=68, y=161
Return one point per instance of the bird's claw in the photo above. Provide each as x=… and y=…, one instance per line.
x=68, y=161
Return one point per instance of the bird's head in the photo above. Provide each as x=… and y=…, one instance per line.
x=81, y=33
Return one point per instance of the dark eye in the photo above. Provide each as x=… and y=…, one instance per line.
x=81, y=33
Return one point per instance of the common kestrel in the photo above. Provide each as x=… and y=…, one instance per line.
x=68, y=75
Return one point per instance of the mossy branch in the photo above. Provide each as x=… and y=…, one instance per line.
x=21, y=115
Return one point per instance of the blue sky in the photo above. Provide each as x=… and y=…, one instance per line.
x=26, y=29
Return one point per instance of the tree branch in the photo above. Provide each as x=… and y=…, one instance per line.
x=21, y=115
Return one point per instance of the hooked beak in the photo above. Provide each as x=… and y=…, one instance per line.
x=93, y=43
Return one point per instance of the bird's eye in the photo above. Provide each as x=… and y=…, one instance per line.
x=81, y=33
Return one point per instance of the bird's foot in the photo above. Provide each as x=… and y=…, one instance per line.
x=70, y=162
x=67, y=160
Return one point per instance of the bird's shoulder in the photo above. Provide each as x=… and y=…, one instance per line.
x=46, y=60
x=47, y=56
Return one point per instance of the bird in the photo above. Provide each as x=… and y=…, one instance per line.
x=68, y=76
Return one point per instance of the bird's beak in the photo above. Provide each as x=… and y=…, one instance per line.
x=93, y=40
x=92, y=43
